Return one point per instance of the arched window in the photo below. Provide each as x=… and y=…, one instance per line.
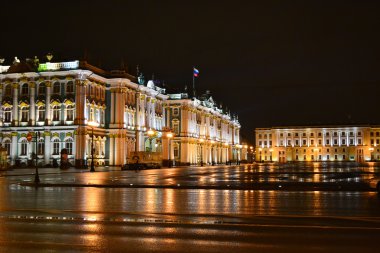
x=56, y=112
x=8, y=90
x=56, y=147
x=7, y=146
x=41, y=147
x=41, y=89
x=8, y=114
x=24, y=114
x=69, y=145
x=57, y=88
x=25, y=89
x=70, y=113
x=41, y=113
x=70, y=87
x=24, y=147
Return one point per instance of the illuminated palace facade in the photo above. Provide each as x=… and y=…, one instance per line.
x=203, y=134
x=330, y=143
x=86, y=110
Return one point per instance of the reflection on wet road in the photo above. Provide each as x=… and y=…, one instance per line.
x=90, y=219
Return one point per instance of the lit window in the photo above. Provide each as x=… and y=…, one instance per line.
x=56, y=147
x=41, y=147
x=70, y=113
x=24, y=147
x=69, y=146
x=56, y=113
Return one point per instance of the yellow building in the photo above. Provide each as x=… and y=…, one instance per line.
x=322, y=143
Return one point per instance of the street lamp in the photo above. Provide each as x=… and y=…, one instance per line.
x=169, y=135
x=37, y=176
x=92, y=151
x=201, y=141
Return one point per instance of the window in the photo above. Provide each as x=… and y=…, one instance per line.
x=7, y=146
x=270, y=143
x=56, y=112
x=176, y=151
x=24, y=114
x=289, y=134
x=359, y=141
x=289, y=142
x=259, y=136
x=328, y=157
x=41, y=89
x=311, y=142
x=41, y=147
x=319, y=142
x=359, y=133
x=343, y=133
x=328, y=150
x=351, y=141
x=319, y=134
x=41, y=113
x=296, y=134
x=175, y=111
x=351, y=133
x=8, y=90
x=57, y=88
x=327, y=142
x=297, y=142
x=56, y=147
x=260, y=143
x=336, y=157
x=70, y=113
x=372, y=141
x=312, y=134
x=8, y=115
x=24, y=147
x=24, y=89
x=69, y=146
x=343, y=141
x=304, y=142
x=297, y=151
x=377, y=134
x=304, y=134
x=335, y=142
x=344, y=157
x=335, y=134
x=304, y=150
x=344, y=150
x=281, y=143
x=70, y=87
x=304, y=157
x=336, y=150
x=176, y=128
x=281, y=134
x=265, y=143
x=327, y=134
x=297, y=157
x=377, y=141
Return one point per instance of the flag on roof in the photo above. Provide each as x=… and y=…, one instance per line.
x=196, y=72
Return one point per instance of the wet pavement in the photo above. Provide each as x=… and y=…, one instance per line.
x=177, y=213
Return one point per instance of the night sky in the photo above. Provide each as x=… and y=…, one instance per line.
x=274, y=63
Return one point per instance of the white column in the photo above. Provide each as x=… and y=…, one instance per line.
x=15, y=105
x=47, y=104
x=14, y=147
x=32, y=107
x=48, y=148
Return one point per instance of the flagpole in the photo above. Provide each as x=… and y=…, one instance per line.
x=193, y=83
